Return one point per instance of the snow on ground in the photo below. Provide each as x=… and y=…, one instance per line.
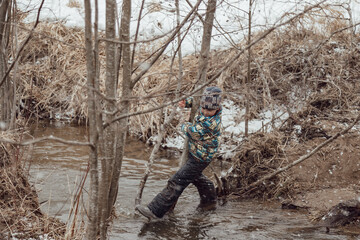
x=233, y=127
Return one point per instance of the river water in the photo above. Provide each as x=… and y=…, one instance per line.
x=56, y=170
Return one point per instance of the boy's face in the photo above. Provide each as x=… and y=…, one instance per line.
x=207, y=112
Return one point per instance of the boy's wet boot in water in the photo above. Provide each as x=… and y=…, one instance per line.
x=210, y=206
x=146, y=212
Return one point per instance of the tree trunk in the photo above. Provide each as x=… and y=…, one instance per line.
x=92, y=226
x=122, y=126
x=248, y=72
x=110, y=132
x=203, y=64
x=6, y=90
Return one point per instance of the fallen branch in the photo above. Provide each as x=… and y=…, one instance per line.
x=30, y=142
x=301, y=159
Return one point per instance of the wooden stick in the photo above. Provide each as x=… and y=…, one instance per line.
x=37, y=140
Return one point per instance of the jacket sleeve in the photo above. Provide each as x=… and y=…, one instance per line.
x=200, y=131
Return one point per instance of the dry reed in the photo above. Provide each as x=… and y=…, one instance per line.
x=21, y=217
x=260, y=154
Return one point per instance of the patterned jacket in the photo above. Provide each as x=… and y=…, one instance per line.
x=204, y=134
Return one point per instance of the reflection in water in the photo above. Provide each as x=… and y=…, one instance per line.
x=57, y=169
x=193, y=227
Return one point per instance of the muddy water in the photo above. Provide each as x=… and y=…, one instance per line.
x=57, y=169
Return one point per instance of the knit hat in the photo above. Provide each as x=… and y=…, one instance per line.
x=211, y=98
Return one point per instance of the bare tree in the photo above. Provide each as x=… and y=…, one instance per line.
x=248, y=79
x=6, y=89
x=105, y=150
x=92, y=227
x=110, y=134
x=126, y=88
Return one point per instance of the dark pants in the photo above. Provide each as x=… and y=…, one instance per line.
x=191, y=172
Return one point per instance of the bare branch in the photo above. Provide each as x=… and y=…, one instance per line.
x=137, y=41
x=23, y=45
x=138, y=77
x=137, y=32
x=216, y=75
x=51, y=138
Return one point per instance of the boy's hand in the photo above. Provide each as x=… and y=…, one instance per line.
x=186, y=115
x=182, y=103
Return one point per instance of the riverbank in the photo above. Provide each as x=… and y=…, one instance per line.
x=20, y=208
x=329, y=178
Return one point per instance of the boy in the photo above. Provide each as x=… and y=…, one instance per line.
x=203, y=135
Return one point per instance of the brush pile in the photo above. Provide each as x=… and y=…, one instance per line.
x=52, y=73
x=314, y=74
x=257, y=156
x=21, y=217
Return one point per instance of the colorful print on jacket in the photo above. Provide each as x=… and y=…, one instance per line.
x=204, y=135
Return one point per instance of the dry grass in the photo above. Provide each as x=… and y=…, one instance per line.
x=314, y=76
x=20, y=210
x=21, y=217
x=315, y=66
x=308, y=62
x=53, y=79
x=297, y=58
x=74, y=4
x=259, y=155
x=52, y=73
